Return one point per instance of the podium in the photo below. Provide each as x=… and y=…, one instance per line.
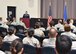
x=26, y=22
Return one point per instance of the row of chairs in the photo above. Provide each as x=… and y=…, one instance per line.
x=28, y=49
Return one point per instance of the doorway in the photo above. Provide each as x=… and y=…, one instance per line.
x=11, y=11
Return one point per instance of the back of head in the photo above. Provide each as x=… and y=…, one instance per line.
x=37, y=24
x=51, y=23
x=11, y=30
x=71, y=21
x=67, y=28
x=16, y=46
x=63, y=44
x=30, y=32
x=52, y=33
x=60, y=21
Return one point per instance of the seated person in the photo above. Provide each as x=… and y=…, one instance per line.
x=11, y=35
x=63, y=44
x=37, y=31
x=30, y=40
x=14, y=21
x=1, y=42
x=50, y=42
x=1, y=22
x=51, y=24
x=41, y=26
x=4, y=25
x=68, y=32
x=59, y=26
x=71, y=25
x=17, y=47
x=21, y=23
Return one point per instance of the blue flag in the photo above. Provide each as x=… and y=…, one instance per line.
x=65, y=13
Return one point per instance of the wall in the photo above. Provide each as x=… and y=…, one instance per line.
x=57, y=7
x=32, y=6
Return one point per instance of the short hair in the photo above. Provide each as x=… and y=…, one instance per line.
x=37, y=24
x=31, y=32
x=67, y=27
x=51, y=23
x=17, y=44
x=63, y=44
x=52, y=32
x=60, y=21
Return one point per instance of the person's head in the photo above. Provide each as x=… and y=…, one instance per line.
x=26, y=12
x=11, y=30
x=63, y=44
x=0, y=18
x=1, y=38
x=52, y=33
x=51, y=23
x=60, y=21
x=14, y=19
x=67, y=27
x=37, y=24
x=30, y=32
x=41, y=24
x=71, y=21
x=17, y=46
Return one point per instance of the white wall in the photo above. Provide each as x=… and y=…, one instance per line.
x=32, y=6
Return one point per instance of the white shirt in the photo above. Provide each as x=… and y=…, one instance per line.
x=74, y=45
x=13, y=23
x=72, y=26
x=9, y=38
x=22, y=24
x=49, y=42
x=70, y=34
x=39, y=32
x=41, y=28
x=60, y=26
x=1, y=52
x=31, y=41
x=4, y=26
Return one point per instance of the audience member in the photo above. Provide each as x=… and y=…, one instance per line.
x=17, y=47
x=4, y=25
x=68, y=32
x=9, y=21
x=21, y=23
x=1, y=21
x=41, y=26
x=11, y=35
x=37, y=31
x=52, y=38
x=1, y=42
x=30, y=40
x=71, y=25
x=51, y=25
x=26, y=15
x=14, y=21
x=59, y=26
x=63, y=44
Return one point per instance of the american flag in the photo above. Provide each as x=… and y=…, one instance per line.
x=49, y=16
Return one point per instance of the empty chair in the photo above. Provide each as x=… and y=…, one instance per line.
x=28, y=49
x=48, y=50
